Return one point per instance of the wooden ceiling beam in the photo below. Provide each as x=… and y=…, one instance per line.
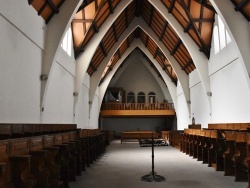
x=42, y=8
x=82, y=20
x=151, y=16
x=138, y=8
x=156, y=52
x=119, y=53
x=103, y=49
x=241, y=4
x=128, y=42
x=84, y=4
x=187, y=64
x=146, y=43
x=191, y=22
x=176, y=47
x=30, y=1
x=126, y=17
x=204, y=4
x=170, y=9
x=115, y=32
x=53, y=6
x=137, y=32
x=92, y=66
x=95, y=26
x=163, y=30
x=111, y=8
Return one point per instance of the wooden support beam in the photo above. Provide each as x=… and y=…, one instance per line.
x=204, y=20
x=111, y=8
x=128, y=42
x=119, y=53
x=170, y=9
x=42, y=8
x=126, y=17
x=82, y=20
x=30, y=1
x=163, y=30
x=151, y=16
x=92, y=66
x=156, y=52
x=115, y=32
x=203, y=3
x=241, y=4
x=198, y=34
x=176, y=47
x=146, y=44
x=103, y=49
x=95, y=26
x=53, y=6
x=187, y=64
x=138, y=8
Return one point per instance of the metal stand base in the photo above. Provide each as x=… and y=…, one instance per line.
x=150, y=177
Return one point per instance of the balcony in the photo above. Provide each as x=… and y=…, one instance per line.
x=137, y=110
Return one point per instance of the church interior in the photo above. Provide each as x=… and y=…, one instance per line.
x=103, y=83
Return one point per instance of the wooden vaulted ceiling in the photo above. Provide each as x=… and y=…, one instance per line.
x=195, y=16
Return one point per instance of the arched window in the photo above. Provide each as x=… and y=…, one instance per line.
x=151, y=97
x=141, y=97
x=131, y=97
x=220, y=36
x=216, y=40
x=67, y=42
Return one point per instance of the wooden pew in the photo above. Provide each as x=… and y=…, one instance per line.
x=229, y=153
x=212, y=151
x=84, y=156
x=20, y=159
x=64, y=159
x=38, y=161
x=51, y=162
x=5, y=131
x=197, y=133
x=76, y=151
x=240, y=156
x=200, y=145
x=206, y=146
x=5, y=179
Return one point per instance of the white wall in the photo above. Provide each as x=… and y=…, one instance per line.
x=182, y=112
x=21, y=50
x=20, y=65
x=199, y=105
x=139, y=79
x=82, y=105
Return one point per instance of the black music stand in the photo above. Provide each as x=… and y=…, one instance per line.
x=152, y=176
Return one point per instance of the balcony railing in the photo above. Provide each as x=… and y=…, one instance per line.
x=137, y=106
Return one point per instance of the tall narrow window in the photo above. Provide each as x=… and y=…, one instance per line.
x=67, y=42
x=151, y=97
x=141, y=97
x=131, y=97
x=222, y=33
x=220, y=36
x=216, y=40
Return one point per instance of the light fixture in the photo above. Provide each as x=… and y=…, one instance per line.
x=209, y=94
x=188, y=101
x=75, y=94
x=44, y=77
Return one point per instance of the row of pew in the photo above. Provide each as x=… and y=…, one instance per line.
x=17, y=130
x=48, y=160
x=226, y=148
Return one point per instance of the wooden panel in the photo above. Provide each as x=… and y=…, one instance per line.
x=19, y=147
x=48, y=140
x=36, y=143
x=137, y=112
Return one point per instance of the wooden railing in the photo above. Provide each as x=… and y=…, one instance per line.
x=137, y=106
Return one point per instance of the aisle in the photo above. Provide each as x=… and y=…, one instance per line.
x=123, y=165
